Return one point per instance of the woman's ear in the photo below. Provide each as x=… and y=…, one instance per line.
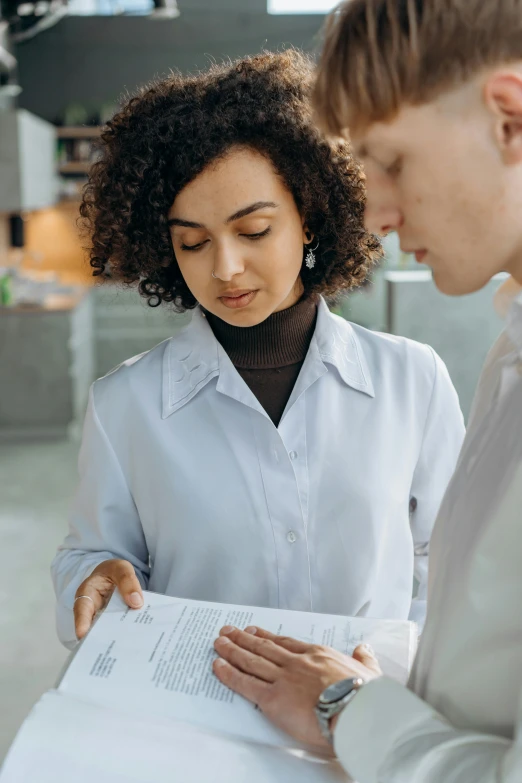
x=308, y=236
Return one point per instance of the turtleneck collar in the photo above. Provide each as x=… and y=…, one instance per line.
x=282, y=339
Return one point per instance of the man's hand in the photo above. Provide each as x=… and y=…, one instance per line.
x=94, y=593
x=285, y=677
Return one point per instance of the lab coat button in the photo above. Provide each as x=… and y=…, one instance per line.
x=293, y=455
x=291, y=537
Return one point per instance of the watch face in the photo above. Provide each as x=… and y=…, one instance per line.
x=337, y=691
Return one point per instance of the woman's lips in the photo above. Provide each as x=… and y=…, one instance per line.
x=236, y=300
x=420, y=255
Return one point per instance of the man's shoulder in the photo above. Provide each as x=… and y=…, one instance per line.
x=501, y=348
x=489, y=378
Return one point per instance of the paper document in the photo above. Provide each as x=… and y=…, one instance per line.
x=160, y=658
x=139, y=702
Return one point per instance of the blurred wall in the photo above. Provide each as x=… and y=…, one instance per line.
x=52, y=243
x=92, y=60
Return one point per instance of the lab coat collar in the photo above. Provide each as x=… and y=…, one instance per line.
x=194, y=357
x=508, y=303
x=190, y=361
x=339, y=346
x=514, y=323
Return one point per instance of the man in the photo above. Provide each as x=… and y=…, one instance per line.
x=432, y=93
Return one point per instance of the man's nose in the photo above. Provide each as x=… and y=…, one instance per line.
x=382, y=213
x=382, y=219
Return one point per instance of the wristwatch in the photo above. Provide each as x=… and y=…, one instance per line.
x=333, y=700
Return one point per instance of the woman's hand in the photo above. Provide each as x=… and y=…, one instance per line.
x=97, y=589
x=285, y=677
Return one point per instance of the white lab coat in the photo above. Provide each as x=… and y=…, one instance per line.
x=461, y=720
x=184, y=474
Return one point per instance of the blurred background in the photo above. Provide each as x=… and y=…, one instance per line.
x=64, y=67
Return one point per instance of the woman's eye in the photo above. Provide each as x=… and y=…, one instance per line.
x=192, y=248
x=259, y=235
x=253, y=237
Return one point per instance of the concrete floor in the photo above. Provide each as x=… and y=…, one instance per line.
x=36, y=486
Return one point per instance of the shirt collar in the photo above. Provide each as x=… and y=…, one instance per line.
x=508, y=304
x=339, y=346
x=194, y=357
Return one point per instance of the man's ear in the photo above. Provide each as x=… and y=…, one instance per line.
x=503, y=97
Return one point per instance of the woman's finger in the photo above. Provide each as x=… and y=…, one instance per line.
x=292, y=645
x=87, y=602
x=246, y=661
x=94, y=593
x=124, y=577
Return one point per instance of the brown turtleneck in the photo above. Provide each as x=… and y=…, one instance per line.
x=269, y=356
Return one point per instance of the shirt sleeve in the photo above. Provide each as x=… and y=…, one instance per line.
x=441, y=444
x=104, y=523
x=388, y=735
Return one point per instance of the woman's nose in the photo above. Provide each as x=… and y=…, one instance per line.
x=228, y=262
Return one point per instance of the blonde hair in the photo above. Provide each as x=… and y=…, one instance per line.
x=381, y=54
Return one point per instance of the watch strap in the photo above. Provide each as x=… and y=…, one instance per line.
x=325, y=713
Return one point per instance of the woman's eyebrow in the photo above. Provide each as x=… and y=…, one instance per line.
x=236, y=216
x=184, y=223
x=251, y=208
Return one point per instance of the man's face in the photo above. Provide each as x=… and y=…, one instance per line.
x=436, y=174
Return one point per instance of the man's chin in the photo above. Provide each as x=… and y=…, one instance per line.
x=452, y=284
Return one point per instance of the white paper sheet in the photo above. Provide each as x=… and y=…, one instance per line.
x=65, y=740
x=157, y=661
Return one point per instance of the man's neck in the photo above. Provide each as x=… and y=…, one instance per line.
x=516, y=273
x=515, y=268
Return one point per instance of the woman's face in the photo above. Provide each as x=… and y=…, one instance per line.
x=238, y=220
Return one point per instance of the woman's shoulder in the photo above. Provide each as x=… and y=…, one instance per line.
x=130, y=387
x=141, y=366
x=410, y=370
x=142, y=376
x=168, y=372
x=389, y=350
x=395, y=364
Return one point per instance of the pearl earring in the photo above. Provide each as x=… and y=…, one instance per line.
x=310, y=257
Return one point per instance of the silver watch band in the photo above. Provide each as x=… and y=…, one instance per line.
x=326, y=712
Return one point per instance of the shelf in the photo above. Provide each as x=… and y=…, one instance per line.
x=78, y=132
x=74, y=167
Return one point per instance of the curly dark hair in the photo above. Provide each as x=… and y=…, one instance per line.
x=167, y=134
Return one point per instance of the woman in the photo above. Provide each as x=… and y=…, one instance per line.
x=272, y=453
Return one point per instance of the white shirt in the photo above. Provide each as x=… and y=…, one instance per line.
x=461, y=720
x=184, y=474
